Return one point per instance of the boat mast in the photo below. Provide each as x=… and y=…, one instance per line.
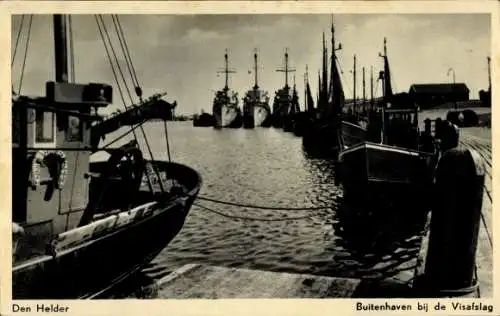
x=295, y=96
x=226, y=71
x=384, y=77
x=306, y=80
x=318, y=92
x=324, y=80
x=364, y=92
x=286, y=69
x=334, y=77
x=60, y=48
x=256, y=86
x=489, y=73
x=371, y=86
x=354, y=84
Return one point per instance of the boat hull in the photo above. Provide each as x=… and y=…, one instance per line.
x=91, y=268
x=257, y=116
x=288, y=123
x=204, y=120
x=373, y=173
x=351, y=134
x=262, y=116
x=228, y=117
x=300, y=123
x=320, y=140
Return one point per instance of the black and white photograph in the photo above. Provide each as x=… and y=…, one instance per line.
x=322, y=155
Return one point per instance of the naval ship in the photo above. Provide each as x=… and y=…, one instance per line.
x=226, y=110
x=256, y=110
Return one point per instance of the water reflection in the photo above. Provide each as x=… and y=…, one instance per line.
x=384, y=239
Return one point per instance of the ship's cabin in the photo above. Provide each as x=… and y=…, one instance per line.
x=51, y=148
x=401, y=126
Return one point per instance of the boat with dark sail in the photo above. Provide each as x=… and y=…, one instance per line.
x=256, y=110
x=321, y=135
x=225, y=109
x=283, y=99
x=396, y=167
x=292, y=118
x=80, y=227
x=302, y=119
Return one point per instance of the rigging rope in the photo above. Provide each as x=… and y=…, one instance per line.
x=25, y=55
x=261, y=219
x=17, y=40
x=116, y=60
x=128, y=60
x=112, y=66
x=123, y=135
x=200, y=197
x=127, y=55
x=130, y=96
x=133, y=74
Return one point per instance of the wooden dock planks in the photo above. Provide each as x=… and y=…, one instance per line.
x=210, y=282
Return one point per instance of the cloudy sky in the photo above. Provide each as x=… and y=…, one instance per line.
x=181, y=54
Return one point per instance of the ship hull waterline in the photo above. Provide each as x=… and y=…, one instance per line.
x=228, y=117
x=262, y=117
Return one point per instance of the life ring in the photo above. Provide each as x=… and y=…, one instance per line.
x=39, y=160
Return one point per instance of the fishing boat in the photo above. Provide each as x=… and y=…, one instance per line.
x=203, y=120
x=226, y=111
x=81, y=227
x=292, y=118
x=321, y=135
x=256, y=110
x=395, y=167
x=282, y=102
x=301, y=119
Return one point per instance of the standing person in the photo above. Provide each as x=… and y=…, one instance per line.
x=450, y=136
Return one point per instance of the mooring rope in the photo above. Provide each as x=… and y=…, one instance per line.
x=282, y=208
x=261, y=219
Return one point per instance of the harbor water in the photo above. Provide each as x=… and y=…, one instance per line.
x=266, y=167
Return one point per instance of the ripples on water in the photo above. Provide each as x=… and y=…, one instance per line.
x=264, y=167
